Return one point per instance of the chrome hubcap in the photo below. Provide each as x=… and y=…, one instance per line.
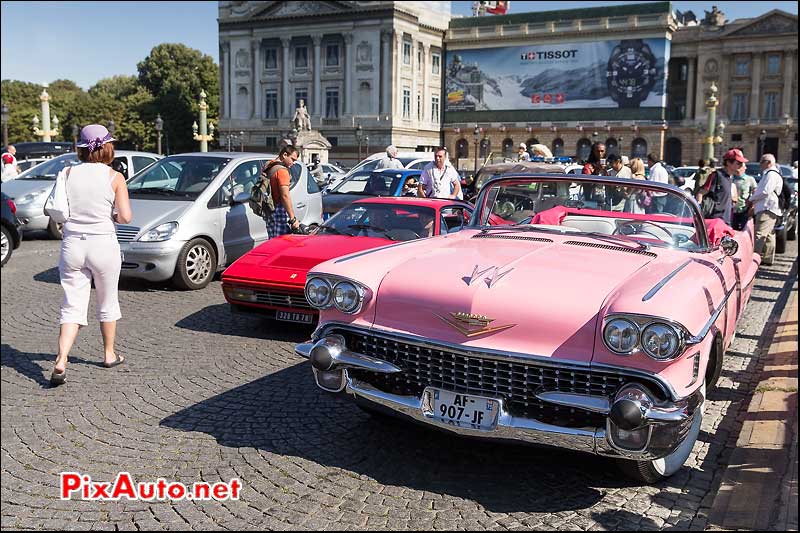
x=198, y=264
x=6, y=246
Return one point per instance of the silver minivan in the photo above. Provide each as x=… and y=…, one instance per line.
x=191, y=215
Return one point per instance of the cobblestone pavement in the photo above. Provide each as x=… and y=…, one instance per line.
x=206, y=395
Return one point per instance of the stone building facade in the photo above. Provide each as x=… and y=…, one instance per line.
x=753, y=62
x=377, y=64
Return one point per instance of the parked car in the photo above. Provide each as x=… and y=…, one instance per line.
x=579, y=327
x=270, y=279
x=333, y=174
x=27, y=164
x=39, y=149
x=31, y=188
x=376, y=183
x=9, y=225
x=410, y=160
x=191, y=215
x=688, y=176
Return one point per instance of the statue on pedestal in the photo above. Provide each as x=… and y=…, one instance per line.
x=301, y=117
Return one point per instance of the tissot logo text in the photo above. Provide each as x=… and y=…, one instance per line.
x=81, y=486
x=541, y=55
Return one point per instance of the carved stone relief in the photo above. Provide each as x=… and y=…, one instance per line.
x=364, y=56
x=242, y=59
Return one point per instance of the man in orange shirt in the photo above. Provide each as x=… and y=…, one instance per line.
x=282, y=220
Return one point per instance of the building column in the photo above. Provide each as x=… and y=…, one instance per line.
x=426, y=76
x=317, y=39
x=386, y=72
x=724, y=87
x=700, y=89
x=225, y=110
x=788, y=79
x=755, y=96
x=287, y=99
x=255, y=110
x=398, y=84
x=349, y=93
x=691, y=89
x=414, y=80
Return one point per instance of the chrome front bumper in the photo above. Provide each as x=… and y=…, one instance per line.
x=661, y=424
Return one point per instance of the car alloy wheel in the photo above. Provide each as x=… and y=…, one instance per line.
x=196, y=265
x=5, y=246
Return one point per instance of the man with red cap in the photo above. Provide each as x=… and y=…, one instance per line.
x=718, y=196
x=10, y=169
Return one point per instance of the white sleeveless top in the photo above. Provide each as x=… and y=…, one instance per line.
x=91, y=199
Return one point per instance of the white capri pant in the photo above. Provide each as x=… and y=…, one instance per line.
x=85, y=257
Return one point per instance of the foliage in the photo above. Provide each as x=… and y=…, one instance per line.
x=169, y=82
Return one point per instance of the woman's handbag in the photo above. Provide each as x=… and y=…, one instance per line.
x=57, y=205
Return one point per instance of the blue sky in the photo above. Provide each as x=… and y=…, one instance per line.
x=87, y=41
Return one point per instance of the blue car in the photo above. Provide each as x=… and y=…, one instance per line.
x=385, y=182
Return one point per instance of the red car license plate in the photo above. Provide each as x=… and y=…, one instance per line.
x=288, y=316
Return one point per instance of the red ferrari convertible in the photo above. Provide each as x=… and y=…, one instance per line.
x=270, y=279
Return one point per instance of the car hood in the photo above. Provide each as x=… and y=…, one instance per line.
x=18, y=188
x=148, y=214
x=286, y=259
x=529, y=297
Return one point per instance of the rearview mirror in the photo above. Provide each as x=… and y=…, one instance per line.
x=729, y=245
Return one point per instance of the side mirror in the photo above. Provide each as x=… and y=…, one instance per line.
x=729, y=245
x=241, y=197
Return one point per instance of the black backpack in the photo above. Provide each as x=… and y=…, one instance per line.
x=261, y=201
x=785, y=196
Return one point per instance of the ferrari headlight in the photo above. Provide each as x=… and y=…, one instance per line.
x=621, y=336
x=660, y=341
x=318, y=292
x=160, y=233
x=346, y=297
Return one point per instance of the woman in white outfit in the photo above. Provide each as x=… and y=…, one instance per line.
x=97, y=197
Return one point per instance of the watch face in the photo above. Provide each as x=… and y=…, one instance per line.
x=631, y=73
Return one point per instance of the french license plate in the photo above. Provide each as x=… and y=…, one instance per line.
x=288, y=316
x=464, y=410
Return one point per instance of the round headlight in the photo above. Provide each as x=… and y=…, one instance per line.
x=346, y=297
x=621, y=336
x=660, y=341
x=318, y=292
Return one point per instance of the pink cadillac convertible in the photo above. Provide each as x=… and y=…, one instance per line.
x=596, y=319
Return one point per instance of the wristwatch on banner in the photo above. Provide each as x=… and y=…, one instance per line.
x=631, y=72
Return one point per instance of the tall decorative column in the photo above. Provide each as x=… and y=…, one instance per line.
x=228, y=87
x=426, y=76
x=755, y=87
x=204, y=135
x=349, y=67
x=223, y=76
x=287, y=99
x=398, y=82
x=690, y=89
x=255, y=46
x=414, y=81
x=386, y=70
x=711, y=107
x=45, y=133
x=317, y=100
x=788, y=79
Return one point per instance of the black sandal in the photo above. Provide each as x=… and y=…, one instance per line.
x=118, y=361
x=58, y=378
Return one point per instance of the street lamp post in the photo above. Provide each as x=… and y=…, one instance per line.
x=241, y=141
x=111, y=127
x=359, y=133
x=476, y=133
x=204, y=135
x=75, y=137
x=366, y=143
x=159, y=127
x=4, y=115
x=762, y=137
x=46, y=133
x=711, y=106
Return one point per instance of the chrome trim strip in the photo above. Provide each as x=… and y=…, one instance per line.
x=513, y=357
x=595, y=404
x=348, y=359
x=304, y=349
x=696, y=339
x=652, y=292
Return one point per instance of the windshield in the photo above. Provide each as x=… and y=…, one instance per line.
x=638, y=214
x=177, y=177
x=49, y=169
x=390, y=221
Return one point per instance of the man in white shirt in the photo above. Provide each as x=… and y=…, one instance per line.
x=439, y=179
x=10, y=169
x=390, y=159
x=658, y=174
x=766, y=208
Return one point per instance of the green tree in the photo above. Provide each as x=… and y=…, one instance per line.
x=175, y=74
x=22, y=99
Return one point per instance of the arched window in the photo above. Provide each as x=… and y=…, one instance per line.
x=612, y=147
x=558, y=147
x=508, y=147
x=462, y=149
x=673, y=152
x=486, y=147
x=582, y=149
x=639, y=148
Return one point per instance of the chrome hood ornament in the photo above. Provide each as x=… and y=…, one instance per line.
x=471, y=324
x=495, y=276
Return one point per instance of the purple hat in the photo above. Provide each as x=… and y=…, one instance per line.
x=94, y=136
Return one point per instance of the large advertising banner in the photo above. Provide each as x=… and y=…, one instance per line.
x=627, y=73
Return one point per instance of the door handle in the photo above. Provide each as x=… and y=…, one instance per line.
x=300, y=205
